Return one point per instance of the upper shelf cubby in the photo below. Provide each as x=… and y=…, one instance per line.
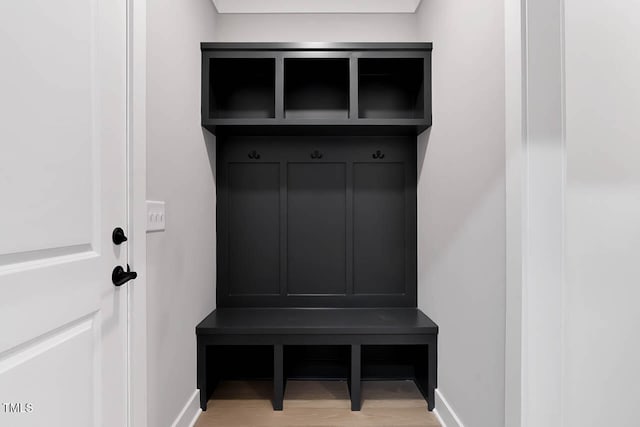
x=391, y=88
x=242, y=88
x=339, y=88
x=316, y=88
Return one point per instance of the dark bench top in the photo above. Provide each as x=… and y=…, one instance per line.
x=339, y=321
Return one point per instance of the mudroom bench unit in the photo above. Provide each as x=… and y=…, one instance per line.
x=406, y=336
x=316, y=176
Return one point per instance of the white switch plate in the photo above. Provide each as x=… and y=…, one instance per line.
x=155, y=216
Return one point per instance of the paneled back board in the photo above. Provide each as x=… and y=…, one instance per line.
x=316, y=221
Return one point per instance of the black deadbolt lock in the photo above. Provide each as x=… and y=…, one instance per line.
x=118, y=236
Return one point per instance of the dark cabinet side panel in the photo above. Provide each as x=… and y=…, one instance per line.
x=254, y=227
x=316, y=228
x=379, y=228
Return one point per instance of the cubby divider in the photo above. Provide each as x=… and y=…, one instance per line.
x=279, y=379
x=355, y=377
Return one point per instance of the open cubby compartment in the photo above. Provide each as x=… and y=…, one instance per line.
x=329, y=362
x=391, y=88
x=241, y=362
x=392, y=362
x=242, y=88
x=316, y=88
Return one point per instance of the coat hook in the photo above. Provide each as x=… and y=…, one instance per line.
x=254, y=155
x=315, y=154
x=378, y=155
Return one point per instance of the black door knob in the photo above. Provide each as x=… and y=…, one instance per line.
x=118, y=236
x=119, y=277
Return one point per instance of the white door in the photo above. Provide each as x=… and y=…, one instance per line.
x=63, y=133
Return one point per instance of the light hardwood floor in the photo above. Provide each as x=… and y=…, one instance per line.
x=317, y=404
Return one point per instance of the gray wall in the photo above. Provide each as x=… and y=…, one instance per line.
x=601, y=381
x=315, y=28
x=461, y=206
x=181, y=261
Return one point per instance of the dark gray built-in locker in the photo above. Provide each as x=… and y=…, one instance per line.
x=316, y=214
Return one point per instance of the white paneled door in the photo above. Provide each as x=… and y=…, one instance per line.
x=63, y=189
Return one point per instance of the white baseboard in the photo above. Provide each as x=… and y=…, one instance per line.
x=190, y=412
x=445, y=413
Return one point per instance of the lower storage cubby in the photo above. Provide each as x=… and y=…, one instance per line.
x=240, y=362
x=401, y=362
x=326, y=362
x=392, y=362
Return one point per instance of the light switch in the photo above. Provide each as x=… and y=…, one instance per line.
x=155, y=216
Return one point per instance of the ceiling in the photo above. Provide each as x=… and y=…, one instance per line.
x=316, y=6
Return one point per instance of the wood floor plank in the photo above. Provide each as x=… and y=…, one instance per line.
x=392, y=394
x=317, y=394
x=317, y=404
x=233, y=390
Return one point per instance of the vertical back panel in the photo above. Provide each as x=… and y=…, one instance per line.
x=316, y=197
x=254, y=229
x=379, y=225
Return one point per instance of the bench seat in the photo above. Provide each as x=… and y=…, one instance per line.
x=353, y=327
